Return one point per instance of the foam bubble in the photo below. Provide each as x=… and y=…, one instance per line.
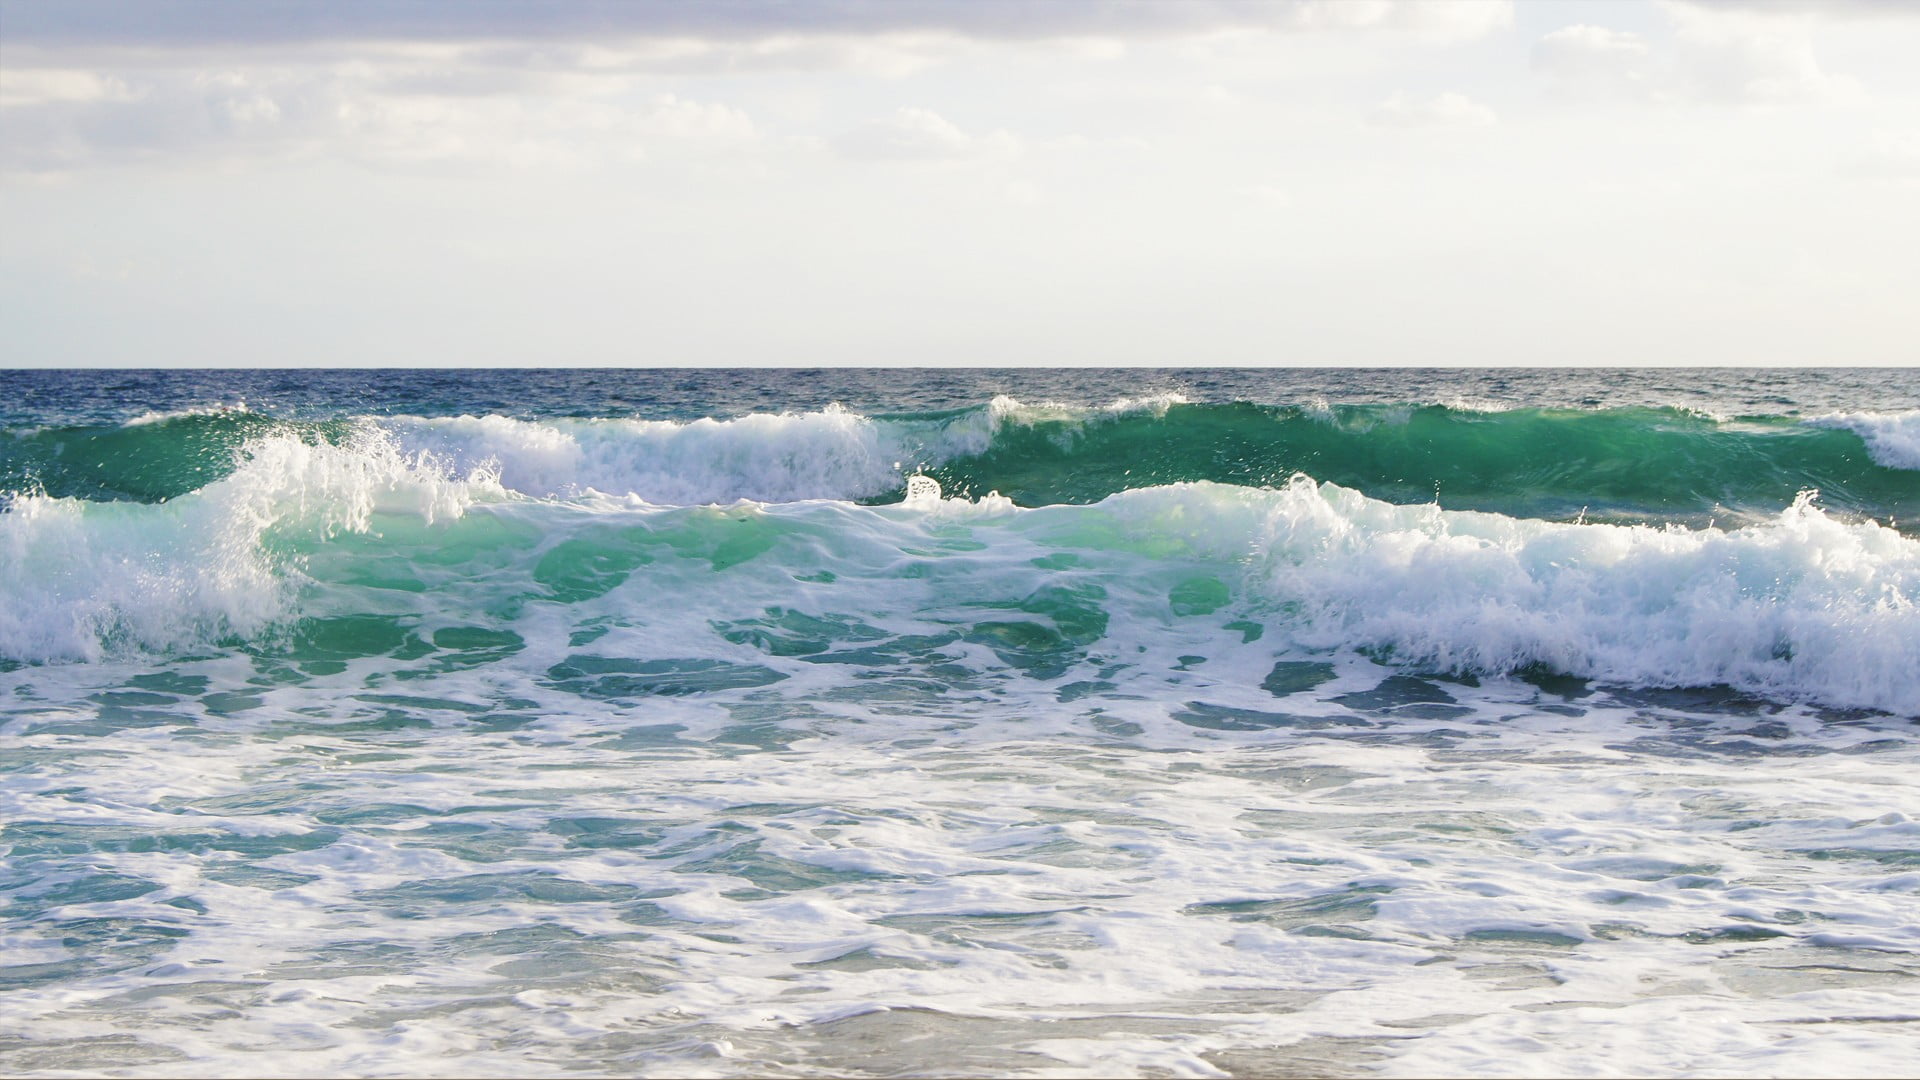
x=922, y=490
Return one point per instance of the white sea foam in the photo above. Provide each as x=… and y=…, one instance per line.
x=1006, y=409
x=554, y=895
x=82, y=578
x=1804, y=606
x=898, y=842
x=1893, y=439
x=1466, y=404
x=153, y=416
x=907, y=859
x=832, y=454
x=1320, y=410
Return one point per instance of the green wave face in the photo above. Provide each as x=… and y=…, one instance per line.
x=309, y=571
x=1550, y=463
x=1621, y=464
x=149, y=462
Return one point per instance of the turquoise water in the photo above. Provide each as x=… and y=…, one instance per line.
x=1200, y=723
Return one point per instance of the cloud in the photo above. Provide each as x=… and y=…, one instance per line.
x=1821, y=8
x=181, y=23
x=109, y=81
x=1445, y=19
x=1446, y=110
x=1270, y=194
x=1585, y=60
x=1021, y=193
x=890, y=54
x=1752, y=53
x=352, y=112
x=1729, y=55
x=918, y=135
x=1895, y=156
x=47, y=86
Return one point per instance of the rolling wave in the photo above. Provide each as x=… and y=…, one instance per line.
x=1618, y=464
x=1893, y=438
x=87, y=579
x=1800, y=606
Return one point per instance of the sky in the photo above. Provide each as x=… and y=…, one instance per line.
x=391, y=183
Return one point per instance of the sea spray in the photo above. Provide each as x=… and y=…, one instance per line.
x=1893, y=438
x=84, y=579
x=1804, y=606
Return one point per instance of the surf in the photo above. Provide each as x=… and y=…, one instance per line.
x=1803, y=605
x=1623, y=464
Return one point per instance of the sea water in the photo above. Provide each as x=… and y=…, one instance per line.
x=1044, y=723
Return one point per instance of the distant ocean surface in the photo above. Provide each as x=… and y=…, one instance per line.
x=960, y=722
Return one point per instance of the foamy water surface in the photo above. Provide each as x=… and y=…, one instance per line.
x=454, y=741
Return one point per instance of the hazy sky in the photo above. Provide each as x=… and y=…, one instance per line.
x=879, y=182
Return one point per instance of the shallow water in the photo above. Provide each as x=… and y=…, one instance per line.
x=412, y=744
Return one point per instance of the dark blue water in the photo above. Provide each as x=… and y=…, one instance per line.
x=72, y=397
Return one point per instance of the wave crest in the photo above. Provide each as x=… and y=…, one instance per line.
x=763, y=457
x=1893, y=439
x=1801, y=607
x=785, y=457
x=85, y=579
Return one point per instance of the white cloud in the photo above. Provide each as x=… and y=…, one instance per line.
x=909, y=134
x=1021, y=193
x=1821, y=8
x=1895, y=156
x=1445, y=110
x=46, y=86
x=1745, y=54
x=352, y=112
x=891, y=54
x=1442, y=19
x=116, y=22
x=1585, y=60
x=92, y=82
x=1270, y=194
x=1736, y=56
x=564, y=194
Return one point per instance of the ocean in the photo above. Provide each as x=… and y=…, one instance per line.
x=960, y=722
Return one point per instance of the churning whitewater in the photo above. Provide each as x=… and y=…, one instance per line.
x=1196, y=723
